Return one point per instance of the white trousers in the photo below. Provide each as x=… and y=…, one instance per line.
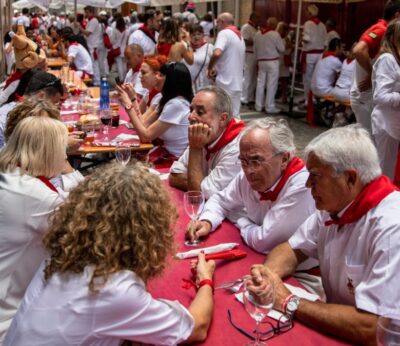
x=387, y=147
x=96, y=69
x=121, y=68
x=362, y=108
x=235, y=99
x=268, y=76
x=311, y=62
x=102, y=60
x=249, y=78
x=340, y=94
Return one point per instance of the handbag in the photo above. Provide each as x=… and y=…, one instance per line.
x=107, y=41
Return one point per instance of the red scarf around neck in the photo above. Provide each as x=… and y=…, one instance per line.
x=47, y=182
x=265, y=29
x=197, y=46
x=293, y=167
x=328, y=53
x=150, y=34
x=137, y=68
x=349, y=60
x=315, y=20
x=231, y=132
x=152, y=93
x=14, y=77
x=370, y=196
x=235, y=30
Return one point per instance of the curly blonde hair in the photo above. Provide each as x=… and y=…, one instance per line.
x=32, y=106
x=119, y=218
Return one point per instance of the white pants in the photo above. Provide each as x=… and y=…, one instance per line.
x=121, y=68
x=340, y=94
x=96, y=69
x=249, y=78
x=311, y=62
x=102, y=60
x=387, y=147
x=268, y=75
x=362, y=108
x=235, y=99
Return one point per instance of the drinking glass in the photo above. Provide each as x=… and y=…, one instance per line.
x=65, y=73
x=105, y=117
x=388, y=332
x=122, y=153
x=89, y=129
x=193, y=203
x=258, y=301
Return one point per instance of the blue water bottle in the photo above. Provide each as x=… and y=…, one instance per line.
x=104, y=94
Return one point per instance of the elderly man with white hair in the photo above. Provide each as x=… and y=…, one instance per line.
x=269, y=192
x=355, y=235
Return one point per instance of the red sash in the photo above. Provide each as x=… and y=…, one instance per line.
x=293, y=167
x=148, y=33
x=328, y=53
x=315, y=20
x=370, y=196
x=265, y=29
x=47, y=182
x=231, y=132
x=235, y=30
x=14, y=77
x=163, y=48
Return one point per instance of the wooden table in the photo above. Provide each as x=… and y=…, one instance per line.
x=56, y=63
x=73, y=79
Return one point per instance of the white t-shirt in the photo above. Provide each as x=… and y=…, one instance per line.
x=324, y=76
x=360, y=261
x=25, y=205
x=269, y=45
x=201, y=58
x=265, y=223
x=119, y=40
x=61, y=311
x=81, y=56
x=207, y=27
x=176, y=113
x=346, y=75
x=96, y=37
x=386, y=96
x=231, y=63
x=219, y=170
x=24, y=20
x=248, y=31
x=314, y=36
x=140, y=38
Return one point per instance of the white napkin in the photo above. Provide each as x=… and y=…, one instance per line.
x=125, y=137
x=298, y=291
x=207, y=250
x=65, y=112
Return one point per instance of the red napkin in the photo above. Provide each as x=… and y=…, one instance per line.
x=227, y=255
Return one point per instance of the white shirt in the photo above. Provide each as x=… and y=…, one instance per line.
x=346, y=75
x=134, y=79
x=207, y=27
x=176, y=113
x=140, y=38
x=267, y=223
x=61, y=311
x=269, y=45
x=4, y=110
x=313, y=36
x=24, y=20
x=82, y=59
x=119, y=40
x=386, y=96
x=330, y=36
x=96, y=37
x=248, y=31
x=25, y=205
x=201, y=58
x=364, y=255
x=231, y=63
x=6, y=93
x=324, y=76
x=219, y=170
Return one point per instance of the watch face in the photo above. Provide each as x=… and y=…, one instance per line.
x=292, y=305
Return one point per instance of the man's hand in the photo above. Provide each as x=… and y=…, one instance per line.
x=197, y=229
x=365, y=84
x=199, y=135
x=74, y=141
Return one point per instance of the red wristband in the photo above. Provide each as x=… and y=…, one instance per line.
x=206, y=282
x=285, y=302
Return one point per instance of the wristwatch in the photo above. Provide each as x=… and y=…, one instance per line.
x=292, y=306
x=129, y=107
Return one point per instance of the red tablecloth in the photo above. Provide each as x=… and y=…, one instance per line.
x=221, y=332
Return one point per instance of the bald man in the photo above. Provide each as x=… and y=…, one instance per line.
x=134, y=57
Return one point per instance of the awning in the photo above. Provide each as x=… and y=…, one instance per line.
x=55, y=4
x=174, y=2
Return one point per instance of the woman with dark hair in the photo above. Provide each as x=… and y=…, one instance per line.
x=171, y=125
x=119, y=39
x=170, y=45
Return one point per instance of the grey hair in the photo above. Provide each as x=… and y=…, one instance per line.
x=282, y=138
x=223, y=102
x=346, y=148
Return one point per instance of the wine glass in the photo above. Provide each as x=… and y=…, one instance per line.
x=388, y=332
x=258, y=301
x=105, y=117
x=122, y=153
x=193, y=202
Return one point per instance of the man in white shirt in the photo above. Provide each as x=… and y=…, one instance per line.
x=79, y=57
x=269, y=192
x=248, y=31
x=314, y=34
x=211, y=160
x=134, y=57
x=268, y=45
x=226, y=63
x=331, y=32
x=24, y=18
x=355, y=235
x=146, y=36
x=94, y=38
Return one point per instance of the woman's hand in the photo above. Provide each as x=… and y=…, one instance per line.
x=130, y=90
x=205, y=269
x=123, y=97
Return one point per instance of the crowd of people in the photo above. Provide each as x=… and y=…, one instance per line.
x=81, y=250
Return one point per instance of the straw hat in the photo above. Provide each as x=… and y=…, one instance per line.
x=27, y=53
x=313, y=10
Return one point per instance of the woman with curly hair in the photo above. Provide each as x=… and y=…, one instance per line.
x=110, y=237
x=35, y=153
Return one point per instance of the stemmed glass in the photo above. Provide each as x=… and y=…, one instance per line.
x=258, y=301
x=388, y=332
x=193, y=202
x=105, y=117
x=122, y=153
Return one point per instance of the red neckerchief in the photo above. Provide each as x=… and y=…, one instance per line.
x=328, y=53
x=90, y=18
x=252, y=24
x=152, y=93
x=265, y=29
x=370, y=196
x=197, y=46
x=137, y=68
x=74, y=44
x=231, y=132
x=293, y=167
x=47, y=182
x=163, y=48
x=18, y=97
x=14, y=76
x=235, y=30
x=315, y=20
x=148, y=33
x=349, y=60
